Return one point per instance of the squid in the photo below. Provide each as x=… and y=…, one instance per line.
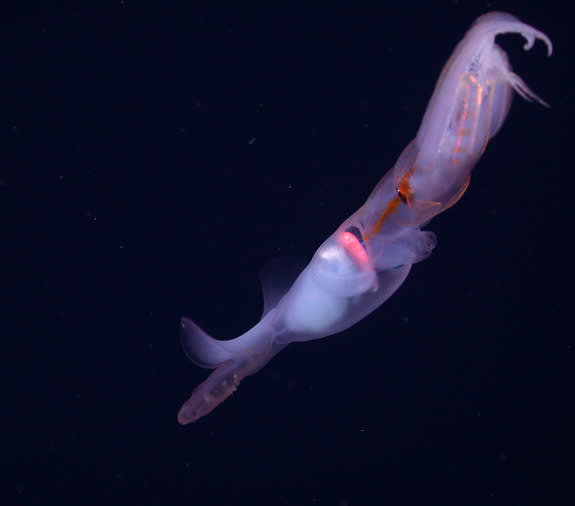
x=369, y=256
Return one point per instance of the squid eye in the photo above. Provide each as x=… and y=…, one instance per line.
x=401, y=195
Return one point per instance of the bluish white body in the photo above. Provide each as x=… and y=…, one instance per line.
x=369, y=256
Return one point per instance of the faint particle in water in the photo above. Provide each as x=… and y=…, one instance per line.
x=90, y=215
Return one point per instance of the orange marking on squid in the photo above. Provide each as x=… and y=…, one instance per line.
x=463, y=117
x=404, y=188
x=404, y=194
x=389, y=210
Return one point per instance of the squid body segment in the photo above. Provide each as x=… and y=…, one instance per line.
x=369, y=256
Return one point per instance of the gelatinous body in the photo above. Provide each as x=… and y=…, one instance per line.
x=369, y=256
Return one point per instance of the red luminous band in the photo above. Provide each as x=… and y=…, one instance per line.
x=354, y=248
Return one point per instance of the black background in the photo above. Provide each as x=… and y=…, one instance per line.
x=154, y=159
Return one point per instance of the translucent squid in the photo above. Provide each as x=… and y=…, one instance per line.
x=370, y=255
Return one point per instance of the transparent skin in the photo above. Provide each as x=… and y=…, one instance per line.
x=370, y=255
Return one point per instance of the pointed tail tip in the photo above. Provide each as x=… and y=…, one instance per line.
x=184, y=417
